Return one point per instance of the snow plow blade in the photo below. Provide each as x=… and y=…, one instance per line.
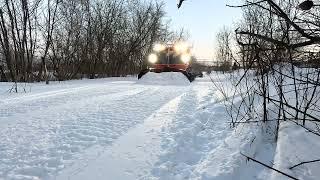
x=188, y=75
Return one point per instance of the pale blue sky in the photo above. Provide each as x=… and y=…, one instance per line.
x=203, y=19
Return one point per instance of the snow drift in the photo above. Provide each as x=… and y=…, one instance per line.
x=164, y=78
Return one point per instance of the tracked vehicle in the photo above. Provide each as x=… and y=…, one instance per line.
x=170, y=58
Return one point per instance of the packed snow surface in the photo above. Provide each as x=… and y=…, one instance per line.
x=161, y=127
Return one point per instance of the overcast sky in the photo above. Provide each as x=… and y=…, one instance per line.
x=202, y=18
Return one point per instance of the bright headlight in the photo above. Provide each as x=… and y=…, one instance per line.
x=159, y=47
x=185, y=58
x=153, y=58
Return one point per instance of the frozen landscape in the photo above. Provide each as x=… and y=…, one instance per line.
x=121, y=128
x=159, y=90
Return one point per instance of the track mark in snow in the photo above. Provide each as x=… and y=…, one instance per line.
x=132, y=156
x=41, y=142
x=200, y=126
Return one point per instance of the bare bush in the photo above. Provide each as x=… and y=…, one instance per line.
x=278, y=46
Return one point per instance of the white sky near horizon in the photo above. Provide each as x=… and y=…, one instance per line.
x=202, y=19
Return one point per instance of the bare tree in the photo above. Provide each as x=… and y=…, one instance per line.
x=224, y=53
x=60, y=40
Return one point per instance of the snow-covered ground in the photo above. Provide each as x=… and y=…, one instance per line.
x=121, y=128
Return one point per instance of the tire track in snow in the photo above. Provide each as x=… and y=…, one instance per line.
x=132, y=156
x=46, y=141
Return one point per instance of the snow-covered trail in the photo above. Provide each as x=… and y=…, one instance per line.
x=120, y=129
x=132, y=156
x=167, y=145
x=43, y=133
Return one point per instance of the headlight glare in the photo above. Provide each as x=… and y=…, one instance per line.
x=186, y=58
x=153, y=58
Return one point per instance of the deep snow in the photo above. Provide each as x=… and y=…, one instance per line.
x=120, y=128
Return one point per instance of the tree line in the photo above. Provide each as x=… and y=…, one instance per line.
x=42, y=40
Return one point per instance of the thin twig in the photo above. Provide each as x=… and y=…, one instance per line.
x=263, y=164
x=245, y=5
x=305, y=162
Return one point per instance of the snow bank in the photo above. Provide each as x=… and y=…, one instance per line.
x=296, y=145
x=225, y=162
x=165, y=78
